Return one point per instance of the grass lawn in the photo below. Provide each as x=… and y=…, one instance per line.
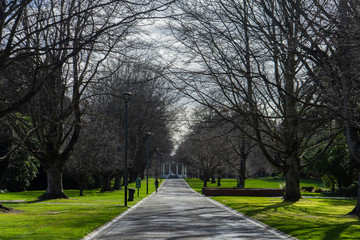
x=315, y=219
x=70, y=218
x=197, y=184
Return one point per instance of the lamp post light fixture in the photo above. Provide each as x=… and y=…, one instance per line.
x=147, y=161
x=126, y=96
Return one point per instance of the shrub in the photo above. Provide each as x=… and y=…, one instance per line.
x=22, y=169
x=350, y=191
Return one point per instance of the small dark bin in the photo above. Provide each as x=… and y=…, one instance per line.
x=131, y=194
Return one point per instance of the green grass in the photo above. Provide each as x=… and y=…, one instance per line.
x=315, y=219
x=74, y=218
x=70, y=218
x=197, y=184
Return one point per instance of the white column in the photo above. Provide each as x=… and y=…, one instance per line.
x=169, y=168
x=177, y=169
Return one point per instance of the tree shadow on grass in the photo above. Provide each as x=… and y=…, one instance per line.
x=335, y=231
x=274, y=207
x=14, y=204
x=37, y=200
x=339, y=202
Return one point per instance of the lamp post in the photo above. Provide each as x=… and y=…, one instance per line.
x=161, y=160
x=126, y=96
x=147, y=161
x=156, y=167
x=156, y=159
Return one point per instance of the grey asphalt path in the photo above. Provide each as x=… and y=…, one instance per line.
x=177, y=212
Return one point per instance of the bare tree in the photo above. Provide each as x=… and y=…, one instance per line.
x=330, y=29
x=202, y=154
x=103, y=133
x=77, y=49
x=18, y=70
x=242, y=146
x=150, y=110
x=98, y=151
x=247, y=62
x=206, y=147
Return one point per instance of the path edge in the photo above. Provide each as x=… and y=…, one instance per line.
x=107, y=226
x=268, y=228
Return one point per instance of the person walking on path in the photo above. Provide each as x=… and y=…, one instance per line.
x=156, y=185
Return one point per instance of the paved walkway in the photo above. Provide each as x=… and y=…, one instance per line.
x=177, y=212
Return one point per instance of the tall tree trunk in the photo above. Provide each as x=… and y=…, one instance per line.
x=353, y=141
x=123, y=178
x=54, y=183
x=292, y=171
x=106, y=186
x=356, y=210
x=349, y=105
x=132, y=175
x=117, y=183
x=83, y=183
x=242, y=171
x=239, y=182
x=3, y=166
x=219, y=180
x=205, y=181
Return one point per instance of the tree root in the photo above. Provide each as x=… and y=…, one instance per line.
x=4, y=209
x=355, y=212
x=47, y=195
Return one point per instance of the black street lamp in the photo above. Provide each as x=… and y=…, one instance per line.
x=126, y=96
x=161, y=160
x=156, y=159
x=147, y=161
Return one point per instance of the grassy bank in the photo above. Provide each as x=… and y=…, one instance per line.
x=71, y=218
x=315, y=219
